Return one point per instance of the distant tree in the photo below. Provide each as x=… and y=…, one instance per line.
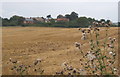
x=73, y=16
x=60, y=16
x=67, y=16
x=102, y=20
x=6, y=19
x=108, y=21
x=42, y=17
x=52, y=21
x=16, y=20
x=0, y=18
x=118, y=24
x=49, y=16
x=5, y=22
x=0, y=21
x=83, y=21
x=91, y=20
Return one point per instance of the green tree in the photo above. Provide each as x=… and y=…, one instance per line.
x=5, y=22
x=107, y=21
x=67, y=16
x=83, y=21
x=49, y=16
x=102, y=20
x=60, y=16
x=118, y=24
x=16, y=20
x=73, y=16
x=91, y=20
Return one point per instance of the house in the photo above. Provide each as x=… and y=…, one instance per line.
x=39, y=19
x=47, y=20
x=28, y=21
x=62, y=19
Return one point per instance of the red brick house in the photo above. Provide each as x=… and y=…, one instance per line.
x=28, y=21
x=40, y=19
x=62, y=19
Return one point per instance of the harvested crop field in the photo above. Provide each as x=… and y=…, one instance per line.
x=52, y=45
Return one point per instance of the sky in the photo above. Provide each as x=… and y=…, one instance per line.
x=96, y=9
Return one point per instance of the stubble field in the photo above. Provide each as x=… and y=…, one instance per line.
x=52, y=45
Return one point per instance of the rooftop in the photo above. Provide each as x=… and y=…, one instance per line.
x=28, y=19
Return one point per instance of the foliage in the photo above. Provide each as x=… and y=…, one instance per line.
x=119, y=24
x=49, y=16
x=23, y=69
x=99, y=59
x=73, y=16
x=60, y=16
x=74, y=22
x=83, y=21
x=13, y=21
x=101, y=56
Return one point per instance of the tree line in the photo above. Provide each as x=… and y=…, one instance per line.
x=74, y=21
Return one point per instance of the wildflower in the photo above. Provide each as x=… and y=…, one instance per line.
x=83, y=30
x=91, y=56
x=37, y=61
x=69, y=68
x=90, y=27
x=14, y=67
x=114, y=69
x=83, y=38
x=110, y=38
x=79, y=29
x=83, y=34
x=80, y=59
x=114, y=39
x=110, y=23
x=103, y=22
x=94, y=23
x=96, y=29
x=13, y=61
x=78, y=45
x=78, y=72
x=114, y=54
x=106, y=25
x=64, y=64
x=82, y=72
x=60, y=73
x=81, y=63
x=74, y=70
x=88, y=31
x=10, y=59
x=21, y=66
x=69, y=73
x=29, y=66
x=86, y=63
x=100, y=23
x=35, y=69
x=110, y=45
x=110, y=52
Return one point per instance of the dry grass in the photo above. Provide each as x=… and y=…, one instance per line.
x=53, y=45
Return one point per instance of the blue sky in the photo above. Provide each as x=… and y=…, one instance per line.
x=97, y=10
